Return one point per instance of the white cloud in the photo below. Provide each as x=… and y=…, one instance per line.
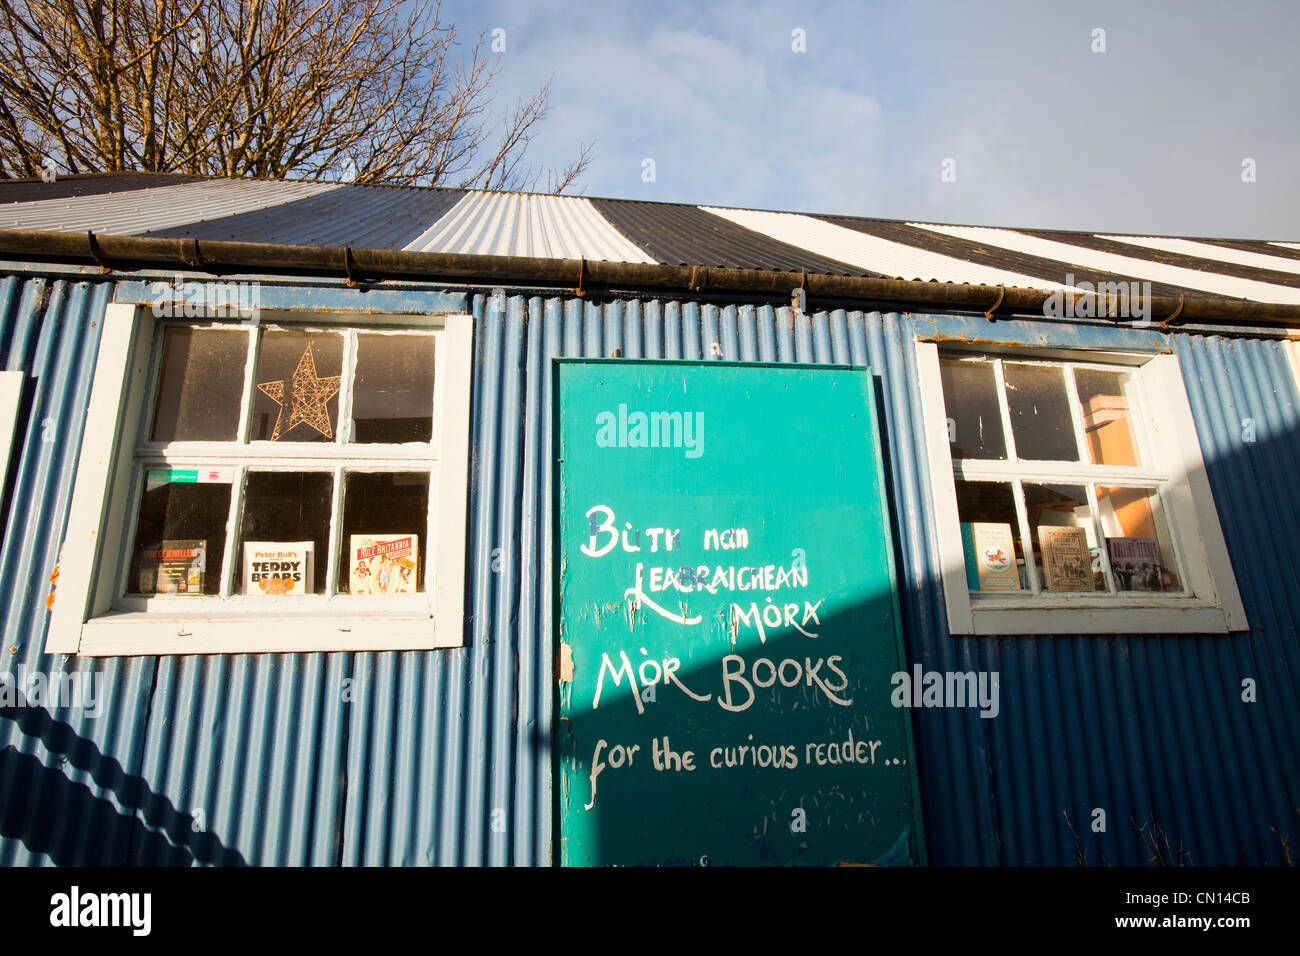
x=1147, y=137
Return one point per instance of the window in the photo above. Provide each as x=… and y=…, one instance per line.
x=293, y=484
x=1071, y=496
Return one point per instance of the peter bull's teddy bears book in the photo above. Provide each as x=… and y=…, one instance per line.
x=278, y=567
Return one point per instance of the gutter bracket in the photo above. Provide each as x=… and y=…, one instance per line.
x=348, y=265
x=195, y=259
x=582, y=272
x=96, y=253
x=1164, y=323
x=1002, y=294
x=703, y=273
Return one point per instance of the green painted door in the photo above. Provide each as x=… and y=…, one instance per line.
x=727, y=620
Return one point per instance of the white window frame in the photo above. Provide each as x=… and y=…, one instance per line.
x=1291, y=349
x=1210, y=603
x=11, y=396
x=90, y=617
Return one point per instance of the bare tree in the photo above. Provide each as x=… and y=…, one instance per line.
x=371, y=91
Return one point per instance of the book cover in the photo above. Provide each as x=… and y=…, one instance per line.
x=1135, y=562
x=382, y=563
x=279, y=567
x=1067, y=562
x=171, y=567
x=990, y=556
x=972, y=561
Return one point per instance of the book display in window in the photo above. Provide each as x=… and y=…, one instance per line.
x=171, y=567
x=289, y=512
x=1067, y=562
x=383, y=563
x=990, y=556
x=228, y=467
x=278, y=567
x=181, y=526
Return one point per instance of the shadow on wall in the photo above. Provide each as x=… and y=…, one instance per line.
x=31, y=789
x=816, y=769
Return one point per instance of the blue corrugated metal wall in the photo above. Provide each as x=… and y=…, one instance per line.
x=442, y=757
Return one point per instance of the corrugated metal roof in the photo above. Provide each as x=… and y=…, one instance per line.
x=1180, y=260
x=1041, y=270
x=93, y=184
x=690, y=236
x=1203, y=250
x=871, y=252
x=518, y=224
x=367, y=217
x=137, y=211
x=1081, y=254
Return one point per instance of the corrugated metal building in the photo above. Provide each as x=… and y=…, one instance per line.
x=443, y=756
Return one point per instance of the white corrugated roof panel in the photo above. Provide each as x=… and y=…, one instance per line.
x=161, y=207
x=516, y=224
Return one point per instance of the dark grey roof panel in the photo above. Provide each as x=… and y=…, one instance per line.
x=686, y=235
x=93, y=184
x=367, y=217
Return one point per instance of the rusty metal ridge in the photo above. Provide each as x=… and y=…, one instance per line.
x=126, y=253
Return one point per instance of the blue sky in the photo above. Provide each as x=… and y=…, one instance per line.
x=1147, y=137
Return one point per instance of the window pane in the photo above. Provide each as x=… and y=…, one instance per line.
x=297, y=395
x=392, y=400
x=1059, y=515
x=181, y=535
x=990, y=530
x=1103, y=401
x=385, y=524
x=284, y=533
x=1040, y=413
x=201, y=385
x=1141, y=553
x=970, y=397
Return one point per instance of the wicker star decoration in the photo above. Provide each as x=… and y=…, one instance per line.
x=310, y=393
